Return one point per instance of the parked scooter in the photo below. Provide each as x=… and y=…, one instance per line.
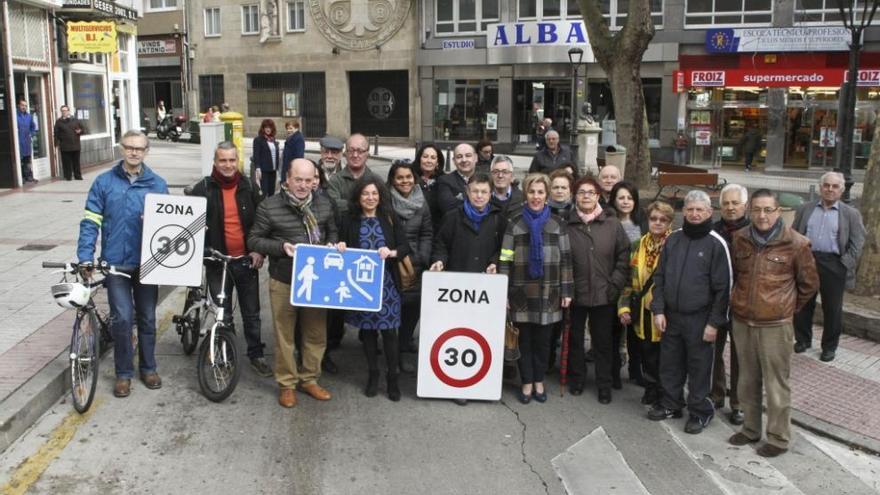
x=171, y=127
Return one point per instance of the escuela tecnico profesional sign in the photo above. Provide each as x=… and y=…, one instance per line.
x=792, y=39
x=91, y=37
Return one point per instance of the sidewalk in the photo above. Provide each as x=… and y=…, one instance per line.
x=838, y=399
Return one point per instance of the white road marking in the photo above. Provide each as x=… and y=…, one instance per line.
x=863, y=466
x=608, y=471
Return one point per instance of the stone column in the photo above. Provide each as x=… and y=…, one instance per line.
x=775, y=128
x=505, y=105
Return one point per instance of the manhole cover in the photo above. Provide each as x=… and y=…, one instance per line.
x=37, y=247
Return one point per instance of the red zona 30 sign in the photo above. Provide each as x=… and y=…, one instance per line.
x=774, y=78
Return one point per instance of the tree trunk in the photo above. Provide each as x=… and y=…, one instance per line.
x=868, y=274
x=620, y=56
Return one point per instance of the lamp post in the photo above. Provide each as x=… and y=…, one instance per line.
x=575, y=56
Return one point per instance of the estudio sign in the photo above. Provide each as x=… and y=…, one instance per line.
x=776, y=78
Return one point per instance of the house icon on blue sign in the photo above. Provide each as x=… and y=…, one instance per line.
x=365, y=269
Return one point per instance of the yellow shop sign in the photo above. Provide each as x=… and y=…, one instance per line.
x=91, y=37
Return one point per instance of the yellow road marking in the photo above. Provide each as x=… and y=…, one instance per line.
x=29, y=471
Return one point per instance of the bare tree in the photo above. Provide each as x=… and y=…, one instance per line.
x=620, y=55
x=868, y=274
x=855, y=19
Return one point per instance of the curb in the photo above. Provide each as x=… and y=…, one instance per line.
x=22, y=408
x=825, y=429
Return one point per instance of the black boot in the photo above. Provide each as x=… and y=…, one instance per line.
x=393, y=388
x=372, y=384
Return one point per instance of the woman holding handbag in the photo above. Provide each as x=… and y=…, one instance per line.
x=409, y=203
x=635, y=300
x=372, y=224
x=267, y=157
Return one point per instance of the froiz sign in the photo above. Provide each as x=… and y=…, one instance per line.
x=865, y=77
x=707, y=78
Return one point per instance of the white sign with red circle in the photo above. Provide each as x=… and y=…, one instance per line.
x=461, y=335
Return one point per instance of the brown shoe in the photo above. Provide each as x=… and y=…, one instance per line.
x=287, y=397
x=151, y=380
x=739, y=439
x=122, y=388
x=768, y=450
x=316, y=391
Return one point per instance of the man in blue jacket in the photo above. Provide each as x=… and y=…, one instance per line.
x=115, y=207
x=26, y=128
x=691, y=298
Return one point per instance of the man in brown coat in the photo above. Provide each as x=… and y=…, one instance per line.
x=775, y=277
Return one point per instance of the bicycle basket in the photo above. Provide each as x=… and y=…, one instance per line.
x=71, y=295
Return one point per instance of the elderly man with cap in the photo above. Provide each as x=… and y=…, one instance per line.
x=331, y=155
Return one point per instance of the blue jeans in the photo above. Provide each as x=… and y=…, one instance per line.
x=129, y=298
x=246, y=281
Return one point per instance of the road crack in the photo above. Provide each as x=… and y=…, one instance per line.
x=522, y=447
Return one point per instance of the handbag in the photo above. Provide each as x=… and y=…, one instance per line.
x=511, y=341
x=408, y=277
x=635, y=301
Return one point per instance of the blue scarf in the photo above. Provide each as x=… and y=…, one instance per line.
x=476, y=217
x=535, y=221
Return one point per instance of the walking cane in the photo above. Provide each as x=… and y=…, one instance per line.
x=563, y=356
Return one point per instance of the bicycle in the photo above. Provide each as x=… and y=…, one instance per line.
x=90, y=328
x=218, y=363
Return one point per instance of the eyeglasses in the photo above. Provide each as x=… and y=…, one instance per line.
x=586, y=194
x=357, y=151
x=502, y=172
x=767, y=210
x=133, y=149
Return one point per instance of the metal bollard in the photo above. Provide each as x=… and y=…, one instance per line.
x=376, y=145
x=812, y=192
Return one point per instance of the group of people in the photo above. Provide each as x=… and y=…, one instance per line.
x=578, y=245
x=67, y=132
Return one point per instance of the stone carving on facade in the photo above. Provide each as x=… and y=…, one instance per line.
x=359, y=24
x=269, y=29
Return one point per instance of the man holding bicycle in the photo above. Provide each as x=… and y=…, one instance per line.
x=115, y=207
x=232, y=203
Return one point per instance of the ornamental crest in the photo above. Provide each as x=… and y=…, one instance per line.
x=359, y=24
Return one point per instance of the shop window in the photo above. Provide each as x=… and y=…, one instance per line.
x=710, y=13
x=88, y=100
x=159, y=5
x=211, y=91
x=212, y=22
x=250, y=19
x=464, y=16
x=825, y=11
x=296, y=16
x=465, y=109
x=569, y=9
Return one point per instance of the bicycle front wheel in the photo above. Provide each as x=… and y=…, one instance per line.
x=218, y=372
x=189, y=328
x=84, y=361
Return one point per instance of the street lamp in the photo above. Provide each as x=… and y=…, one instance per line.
x=575, y=56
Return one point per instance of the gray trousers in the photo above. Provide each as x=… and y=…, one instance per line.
x=686, y=357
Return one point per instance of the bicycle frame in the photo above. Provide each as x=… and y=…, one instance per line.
x=220, y=310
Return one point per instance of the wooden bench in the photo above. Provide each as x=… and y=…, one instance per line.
x=694, y=177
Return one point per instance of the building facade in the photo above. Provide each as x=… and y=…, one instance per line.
x=339, y=67
x=163, y=59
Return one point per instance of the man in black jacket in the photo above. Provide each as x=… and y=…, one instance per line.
x=505, y=195
x=232, y=203
x=67, y=132
x=452, y=188
x=691, y=301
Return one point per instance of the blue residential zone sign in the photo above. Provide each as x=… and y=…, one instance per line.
x=325, y=278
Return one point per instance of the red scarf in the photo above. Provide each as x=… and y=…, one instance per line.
x=226, y=182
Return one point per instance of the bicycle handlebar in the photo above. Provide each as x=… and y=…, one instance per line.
x=215, y=255
x=72, y=267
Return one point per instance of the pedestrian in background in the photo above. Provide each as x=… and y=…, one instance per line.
x=296, y=216
x=428, y=165
x=371, y=224
x=409, y=205
x=552, y=156
x=485, y=154
x=751, y=144
x=267, y=157
x=67, y=138
x=294, y=147
x=691, y=300
x=625, y=201
x=600, y=261
x=734, y=200
x=775, y=276
x=634, y=305
x=680, y=147
x=837, y=234
x=535, y=255
x=26, y=129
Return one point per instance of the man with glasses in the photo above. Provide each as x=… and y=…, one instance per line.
x=837, y=234
x=691, y=297
x=357, y=152
x=505, y=195
x=115, y=208
x=452, y=188
x=775, y=276
x=283, y=221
